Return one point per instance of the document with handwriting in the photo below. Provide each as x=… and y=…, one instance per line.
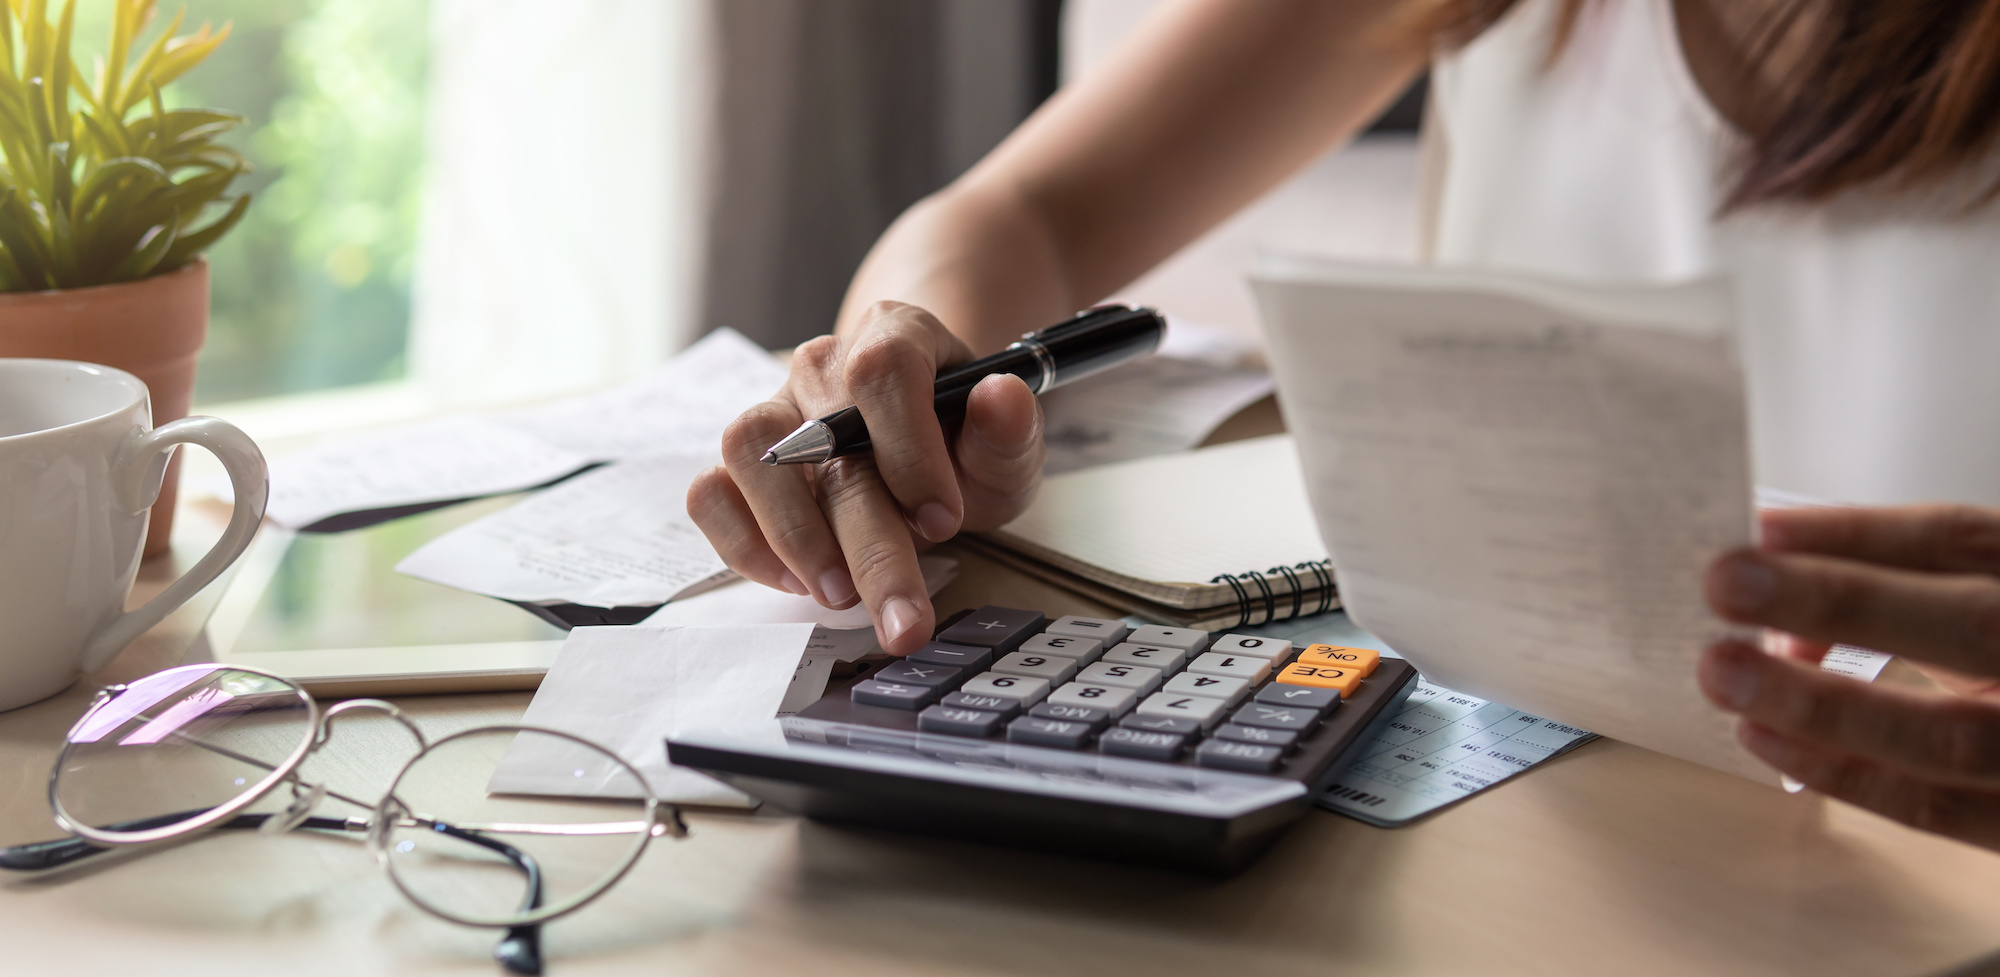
x=1521, y=482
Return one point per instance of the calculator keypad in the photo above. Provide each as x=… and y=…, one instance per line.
x=1231, y=701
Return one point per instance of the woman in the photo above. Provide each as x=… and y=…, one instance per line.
x=1834, y=157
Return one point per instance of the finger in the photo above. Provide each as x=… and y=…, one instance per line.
x=719, y=509
x=891, y=371
x=880, y=552
x=781, y=500
x=1950, y=619
x=1966, y=813
x=1942, y=738
x=1943, y=538
x=1000, y=451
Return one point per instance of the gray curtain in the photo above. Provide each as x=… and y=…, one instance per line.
x=832, y=116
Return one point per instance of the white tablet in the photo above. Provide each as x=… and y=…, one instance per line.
x=329, y=611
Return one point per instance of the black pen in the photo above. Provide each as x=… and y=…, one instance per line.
x=1095, y=340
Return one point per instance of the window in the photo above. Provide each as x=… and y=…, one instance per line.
x=312, y=290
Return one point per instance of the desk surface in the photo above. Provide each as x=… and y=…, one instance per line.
x=1610, y=859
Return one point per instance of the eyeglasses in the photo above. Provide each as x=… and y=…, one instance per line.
x=192, y=749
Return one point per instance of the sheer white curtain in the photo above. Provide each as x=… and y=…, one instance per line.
x=562, y=155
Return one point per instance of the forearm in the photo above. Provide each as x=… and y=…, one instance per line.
x=988, y=267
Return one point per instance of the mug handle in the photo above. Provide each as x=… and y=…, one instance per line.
x=140, y=468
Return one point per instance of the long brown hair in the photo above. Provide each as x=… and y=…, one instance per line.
x=1893, y=94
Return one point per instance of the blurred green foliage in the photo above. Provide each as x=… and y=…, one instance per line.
x=100, y=182
x=312, y=288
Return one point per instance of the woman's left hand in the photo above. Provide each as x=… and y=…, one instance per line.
x=1921, y=582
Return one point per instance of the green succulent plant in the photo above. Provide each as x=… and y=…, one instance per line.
x=99, y=181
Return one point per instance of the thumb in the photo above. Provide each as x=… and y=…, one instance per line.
x=1000, y=451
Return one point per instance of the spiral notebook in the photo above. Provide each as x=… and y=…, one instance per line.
x=1214, y=538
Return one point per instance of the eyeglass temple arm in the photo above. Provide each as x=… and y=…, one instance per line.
x=38, y=856
x=520, y=951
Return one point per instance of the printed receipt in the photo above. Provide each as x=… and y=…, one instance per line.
x=1521, y=483
x=619, y=536
x=679, y=408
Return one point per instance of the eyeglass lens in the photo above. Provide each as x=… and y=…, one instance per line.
x=466, y=848
x=174, y=745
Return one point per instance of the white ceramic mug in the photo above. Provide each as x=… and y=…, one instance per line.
x=80, y=464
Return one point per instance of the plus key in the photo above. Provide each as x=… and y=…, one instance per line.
x=1002, y=629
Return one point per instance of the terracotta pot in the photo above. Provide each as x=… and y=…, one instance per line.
x=150, y=328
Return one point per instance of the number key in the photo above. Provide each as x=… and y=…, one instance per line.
x=1027, y=690
x=1037, y=666
x=1137, y=677
x=1108, y=697
x=1245, y=667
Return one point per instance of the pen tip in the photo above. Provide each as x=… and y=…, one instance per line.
x=770, y=458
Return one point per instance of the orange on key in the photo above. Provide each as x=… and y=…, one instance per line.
x=1322, y=677
x=1362, y=660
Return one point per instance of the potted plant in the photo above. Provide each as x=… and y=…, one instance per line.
x=107, y=201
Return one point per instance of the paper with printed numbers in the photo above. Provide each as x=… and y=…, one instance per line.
x=1444, y=746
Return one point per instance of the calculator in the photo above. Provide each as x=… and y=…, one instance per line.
x=1161, y=745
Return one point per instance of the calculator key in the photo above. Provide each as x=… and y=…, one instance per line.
x=999, y=628
x=1245, y=667
x=1026, y=689
x=1229, y=690
x=1280, y=738
x=1084, y=650
x=1321, y=677
x=1187, y=639
x=1161, y=724
x=1231, y=755
x=1112, y=698
x=1040, y=666
x=976, y=723
x=1299, y=696
x=907, y=672
x=1362, y=660
x=871, y=692
x=1275, y=717
x=1256, y=647
x=1199, y=708
x=1142, y=744
x=973, y=660
x=1062, y=735
x=1100, y=629
x=1096, y=717
x=1156, y=656
x=1007, y=707
x=1140, y=677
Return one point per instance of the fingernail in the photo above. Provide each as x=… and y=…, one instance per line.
x=1731, y=680
x=1747, y=584
x=936, y=522
x=790, y=581
x=898, y=616
x=837, y=586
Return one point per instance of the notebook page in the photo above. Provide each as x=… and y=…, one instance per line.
x=1522, y=485
x=1180, y=518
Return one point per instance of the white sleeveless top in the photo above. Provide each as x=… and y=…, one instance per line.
x=1870, y=331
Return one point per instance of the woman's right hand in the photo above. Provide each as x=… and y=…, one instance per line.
x=850, y=529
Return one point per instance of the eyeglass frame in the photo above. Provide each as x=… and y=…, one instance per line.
x=661, y=818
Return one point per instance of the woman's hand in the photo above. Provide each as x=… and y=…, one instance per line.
x=850, y=529
x=1922, y=582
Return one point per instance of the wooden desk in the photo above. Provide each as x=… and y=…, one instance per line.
x=1610, y=860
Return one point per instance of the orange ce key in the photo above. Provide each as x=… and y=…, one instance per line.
x=1306, y=673
x=1362, y=660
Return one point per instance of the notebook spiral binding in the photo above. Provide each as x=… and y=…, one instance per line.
x=1246, y=603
